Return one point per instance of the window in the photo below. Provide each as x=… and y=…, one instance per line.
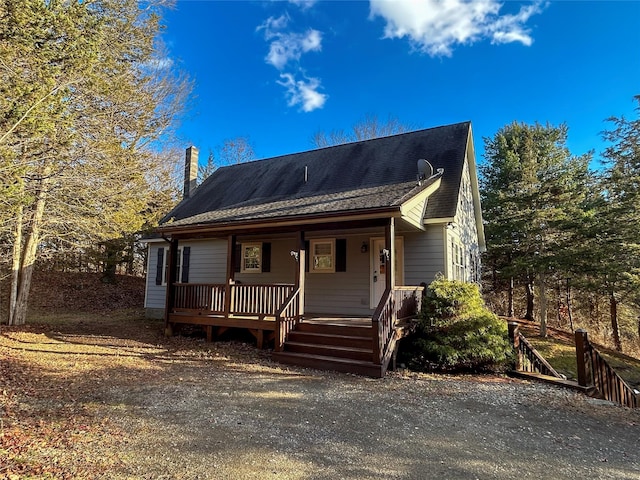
x=458, y=261
x=166, y=266
x=182, y=265
x=251, y=258
x=323, y=256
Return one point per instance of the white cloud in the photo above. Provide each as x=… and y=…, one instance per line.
x=436, y=26
x=303, y=93
x=285, y=46
x=304, y=4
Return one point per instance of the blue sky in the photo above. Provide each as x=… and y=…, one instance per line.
x=279, y=71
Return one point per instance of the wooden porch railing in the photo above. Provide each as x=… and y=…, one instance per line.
x=287, y=318
x=594, y=370
x=399, y=303
x=199, y=297
x=260, y=300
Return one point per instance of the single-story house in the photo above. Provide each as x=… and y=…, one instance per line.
x=324, y=252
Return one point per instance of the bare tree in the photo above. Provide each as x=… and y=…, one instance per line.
x=369, y=127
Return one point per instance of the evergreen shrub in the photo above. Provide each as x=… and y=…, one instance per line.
x=457, y=331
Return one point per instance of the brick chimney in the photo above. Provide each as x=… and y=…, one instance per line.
x=190, y=171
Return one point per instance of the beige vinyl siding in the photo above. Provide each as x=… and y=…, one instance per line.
x=424, y=255
x=283, y=265
x=416, y=214
x=342, y=293
x=464, y=232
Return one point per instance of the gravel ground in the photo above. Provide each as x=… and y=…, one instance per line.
x=184, y=409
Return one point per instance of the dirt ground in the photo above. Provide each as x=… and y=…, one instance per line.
x=106, y=396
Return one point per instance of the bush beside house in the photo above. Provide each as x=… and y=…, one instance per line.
x=457, y=332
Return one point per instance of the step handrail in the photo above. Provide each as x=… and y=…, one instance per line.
x=287, y=317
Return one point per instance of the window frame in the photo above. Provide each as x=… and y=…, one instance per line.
x=165, y=268
x=243, y=258
x=312, y=255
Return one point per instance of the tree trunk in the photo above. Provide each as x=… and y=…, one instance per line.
x=29, y=253
x=510, y=312
x=615, y=330
x=15, y=265
x=542, y=293
x=569, y=305
x=529, y=290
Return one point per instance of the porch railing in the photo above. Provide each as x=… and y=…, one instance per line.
x=287, y=318
x=199, y=297
x=261, y=300
x=399, y=303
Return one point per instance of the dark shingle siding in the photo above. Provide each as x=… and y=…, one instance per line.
x=367, y=166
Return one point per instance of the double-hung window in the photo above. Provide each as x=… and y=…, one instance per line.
x=251, y=258
x=323, y=255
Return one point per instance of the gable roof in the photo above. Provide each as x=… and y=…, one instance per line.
x=366, y=175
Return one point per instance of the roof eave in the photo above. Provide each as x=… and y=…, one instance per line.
x=293, y=220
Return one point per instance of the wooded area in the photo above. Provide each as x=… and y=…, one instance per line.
x=86, y=101
x=563, y=237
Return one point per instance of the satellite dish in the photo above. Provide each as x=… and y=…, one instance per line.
x=425, y=170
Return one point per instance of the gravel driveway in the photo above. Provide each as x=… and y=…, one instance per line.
x=183, y=409
x=263, y=421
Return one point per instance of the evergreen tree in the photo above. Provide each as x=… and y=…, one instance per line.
x=533, y=190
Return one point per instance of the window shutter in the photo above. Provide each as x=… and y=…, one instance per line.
x=341, y=255
x=160, y=266
x=238, y=258
x=266, y=257
x=186, y=253
x=306, y=257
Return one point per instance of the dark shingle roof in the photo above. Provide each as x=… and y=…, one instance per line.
x=355, y=176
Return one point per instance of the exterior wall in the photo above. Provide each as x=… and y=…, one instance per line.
x=424, y=255
x=463, y=235
x=343, y=293
x=283, y=266
x=208, y=264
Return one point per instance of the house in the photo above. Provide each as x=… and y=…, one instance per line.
x=298, y=249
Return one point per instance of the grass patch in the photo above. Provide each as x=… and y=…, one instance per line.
x=561, y=354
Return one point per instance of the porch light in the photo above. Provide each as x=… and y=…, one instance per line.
x=364, y=248
x=295, y=254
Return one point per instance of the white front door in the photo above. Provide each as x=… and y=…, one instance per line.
x=379, y=265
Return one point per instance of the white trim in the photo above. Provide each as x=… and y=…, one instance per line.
x=165, y=266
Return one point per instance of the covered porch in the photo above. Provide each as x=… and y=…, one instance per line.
x=272, y=311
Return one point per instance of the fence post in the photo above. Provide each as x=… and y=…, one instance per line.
x=583, y=357
x=514, y=338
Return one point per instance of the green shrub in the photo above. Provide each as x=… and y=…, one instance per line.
x=457, y=331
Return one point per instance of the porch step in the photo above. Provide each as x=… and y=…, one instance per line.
x=331, y=346
x=335, y=329
x=322, y=362
x=332, y=339
x=352, y=353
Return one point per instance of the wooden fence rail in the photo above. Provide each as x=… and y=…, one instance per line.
x=528, y=359
x=594, y=370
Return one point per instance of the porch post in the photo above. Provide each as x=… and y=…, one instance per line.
x=390, y=244
x=231, y=271
x=300, y=274
x=170, y=292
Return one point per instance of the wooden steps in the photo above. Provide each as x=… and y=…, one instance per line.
x=327, y=346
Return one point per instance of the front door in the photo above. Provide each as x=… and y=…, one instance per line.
x=379, y=265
